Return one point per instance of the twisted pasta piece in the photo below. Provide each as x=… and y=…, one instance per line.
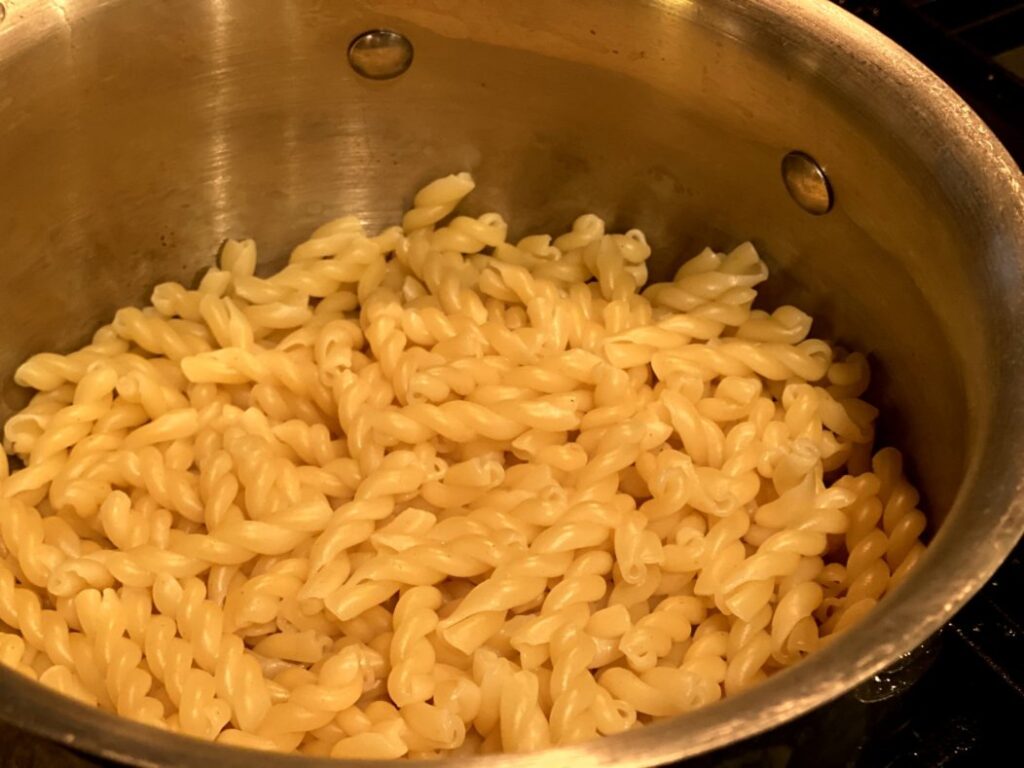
x=437, y=200
x=573, y=688
x=23, y=535
x=468, y=235
x=118, y=659
x=45, y=630
x=524, y=728
x=660, y=691
x=412, y=656
x=748, y=648
x=794, y=630
x=237, y=676
x=809, y=360
x=12, y=654
x=314, y=702
x=156, y=335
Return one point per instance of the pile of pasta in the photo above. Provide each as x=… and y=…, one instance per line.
x=431, y=491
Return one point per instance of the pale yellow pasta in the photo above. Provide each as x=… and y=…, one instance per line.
x=433, y=491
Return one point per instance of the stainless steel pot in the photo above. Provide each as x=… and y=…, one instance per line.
x=137, y=134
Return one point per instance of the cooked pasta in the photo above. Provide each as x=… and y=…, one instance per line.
x=436, y=491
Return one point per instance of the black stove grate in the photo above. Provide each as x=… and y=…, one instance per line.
x=977, y=46
x=990, y=27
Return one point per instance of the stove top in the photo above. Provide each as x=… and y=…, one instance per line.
x=959, y=701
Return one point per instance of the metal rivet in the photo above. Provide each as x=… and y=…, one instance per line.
x=380, y=54
x=807, y=183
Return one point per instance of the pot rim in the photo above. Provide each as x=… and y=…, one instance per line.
x=993, y=487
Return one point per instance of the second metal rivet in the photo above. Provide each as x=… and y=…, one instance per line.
x=380, y=54
x=807, y=183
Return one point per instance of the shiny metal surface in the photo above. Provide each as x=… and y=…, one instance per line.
x=135, y=136
x=380, y=54
x=807, y=183
x=900, y=675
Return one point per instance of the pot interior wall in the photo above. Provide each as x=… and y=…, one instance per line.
x=135, y=137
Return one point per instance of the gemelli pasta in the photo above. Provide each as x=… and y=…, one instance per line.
x=435, y=491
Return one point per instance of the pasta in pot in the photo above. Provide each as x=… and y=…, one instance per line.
x=433, y=491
